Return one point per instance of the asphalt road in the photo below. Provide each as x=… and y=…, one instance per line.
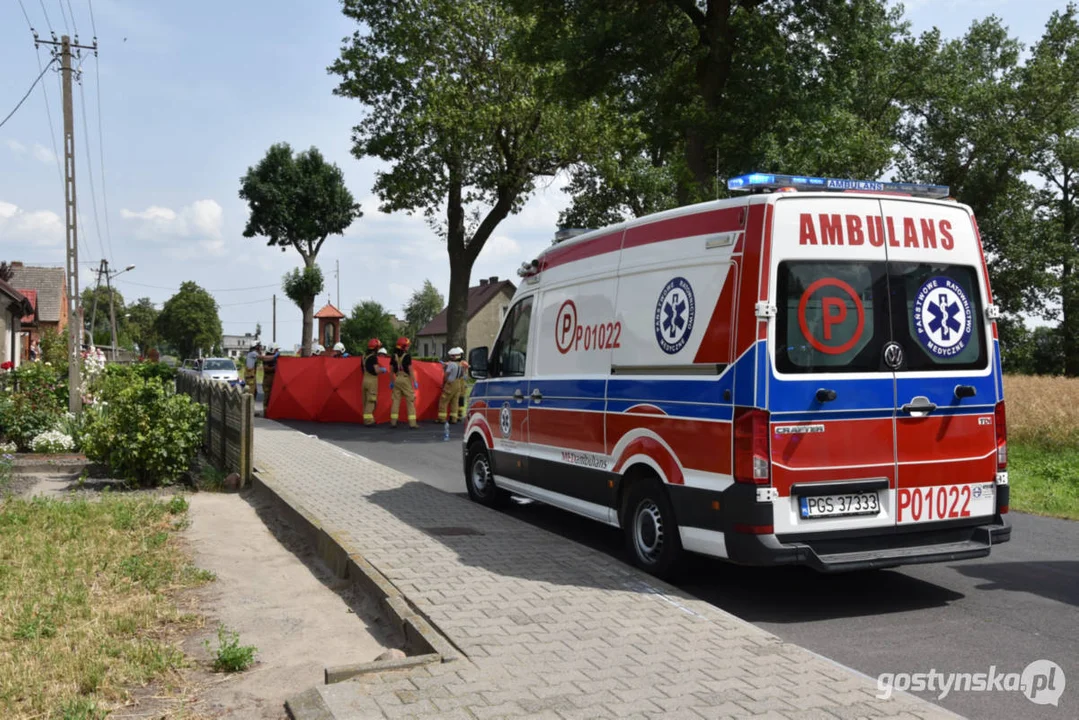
x=1008, y=610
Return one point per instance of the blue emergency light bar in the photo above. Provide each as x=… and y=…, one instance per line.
x=761, y=181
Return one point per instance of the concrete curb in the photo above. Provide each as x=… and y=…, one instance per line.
x=308, y=705
x=420, y=635
x=347, y=672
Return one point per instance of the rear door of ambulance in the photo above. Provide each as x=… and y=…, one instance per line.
x=830, y=391
x=881, y=390
x=946, y=385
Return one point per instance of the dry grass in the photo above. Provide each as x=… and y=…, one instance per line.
x=1042, y=410
x=87, y=609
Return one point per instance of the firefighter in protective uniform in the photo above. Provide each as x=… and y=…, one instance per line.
x=403, y=384
x=371, y=371
x=269, y=367
x=453, y=381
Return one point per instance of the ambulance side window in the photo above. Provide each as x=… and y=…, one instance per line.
x=511, y=348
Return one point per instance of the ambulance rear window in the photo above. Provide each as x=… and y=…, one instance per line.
x=937, y=311
x=829, y=319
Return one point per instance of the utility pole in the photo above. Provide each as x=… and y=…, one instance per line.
x=112, y=308
x=275, y=317
x=75, y=321
x=338, y=273
x=93, y=312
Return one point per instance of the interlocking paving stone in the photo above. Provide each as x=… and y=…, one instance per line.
x=549, y=628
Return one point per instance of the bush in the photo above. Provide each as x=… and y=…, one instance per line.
x=72, y=426
x=52, y=442
x=25, y=415
x=145, y=433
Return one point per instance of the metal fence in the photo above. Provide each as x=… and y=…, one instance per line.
x=229, y=436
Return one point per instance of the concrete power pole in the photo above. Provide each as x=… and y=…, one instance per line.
x=75, y=323
x=112, y=308
x=338, y=273
x=274, y=318
x=93, y=312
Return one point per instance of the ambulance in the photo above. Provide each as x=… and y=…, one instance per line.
x=807, y=373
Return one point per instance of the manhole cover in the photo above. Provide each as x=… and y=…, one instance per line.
x=446, y=531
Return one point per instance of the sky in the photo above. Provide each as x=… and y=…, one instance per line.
x=191, y=95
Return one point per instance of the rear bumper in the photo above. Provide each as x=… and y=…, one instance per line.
x=847, y=552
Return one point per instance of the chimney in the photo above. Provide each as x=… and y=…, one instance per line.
x=494, y=279
x=483, y=281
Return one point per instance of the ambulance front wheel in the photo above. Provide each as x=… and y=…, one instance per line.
x=479, y=478
x=650, y=528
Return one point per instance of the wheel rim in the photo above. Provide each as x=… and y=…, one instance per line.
x=648, y=531
x=481, y=475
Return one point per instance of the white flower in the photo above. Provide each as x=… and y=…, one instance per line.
x=8, y=447
x=52, y=441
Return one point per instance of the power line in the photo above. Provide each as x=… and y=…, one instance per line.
x=90, y=173
x=47, y=21
x=26, y=15
x=72, y=14
x=163, y=287
x=64, y=16
x=38, y=79
x=101, y=136
x=93, y=25
x=248, y=302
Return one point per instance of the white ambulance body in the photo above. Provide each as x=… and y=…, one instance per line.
x=797, y=375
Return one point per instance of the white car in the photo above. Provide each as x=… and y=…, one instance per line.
x=220, y=369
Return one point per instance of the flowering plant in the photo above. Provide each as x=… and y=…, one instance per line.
x=52, y=441
x=8, y=448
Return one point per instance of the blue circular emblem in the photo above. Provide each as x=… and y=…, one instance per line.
x=674, y=315
x=943, y=317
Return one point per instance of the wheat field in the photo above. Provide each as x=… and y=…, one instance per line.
x=1042, y=410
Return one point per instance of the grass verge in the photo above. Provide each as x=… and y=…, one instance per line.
x=1044, y=479
x=86, y=608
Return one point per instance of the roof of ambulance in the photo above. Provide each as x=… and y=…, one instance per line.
x=753, y=199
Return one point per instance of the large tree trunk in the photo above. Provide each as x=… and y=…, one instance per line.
x=457, y=309
x=1069, y=325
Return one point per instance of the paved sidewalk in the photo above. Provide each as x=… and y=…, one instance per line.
x=548, y=628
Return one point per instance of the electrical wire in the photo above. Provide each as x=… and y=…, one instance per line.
x=64, y=16
x=93, y=25
x=174, y=289
x=248, y=302
x=34, y=85
x=47, y=21
x=90, y=173
x=71, y=13
x=100, y=131
x=26, y=15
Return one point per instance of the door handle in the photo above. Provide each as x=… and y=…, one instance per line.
x=825, y=395
x=965, y=391
x=919, y=407
x=518, y=395
x=537, y=395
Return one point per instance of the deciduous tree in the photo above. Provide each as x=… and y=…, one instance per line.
x=189, y=320
x=422, y=307
x=466, y=124
x=297, y=201
x=367, y=320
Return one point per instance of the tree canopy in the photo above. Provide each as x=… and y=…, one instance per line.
x=189, y=321
x=367, y=320
x=142, y=324
x=464, y=121
x=297, y=200
x=422, y=307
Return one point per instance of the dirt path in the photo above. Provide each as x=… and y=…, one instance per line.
x=279, y=598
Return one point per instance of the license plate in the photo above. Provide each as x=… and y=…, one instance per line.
x=819, y=506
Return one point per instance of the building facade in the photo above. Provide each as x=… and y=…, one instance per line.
x=13, y=308
x=48, y=286
x=236, y=346
x=488, y=303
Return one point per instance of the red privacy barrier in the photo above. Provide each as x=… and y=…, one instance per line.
x=326, y=389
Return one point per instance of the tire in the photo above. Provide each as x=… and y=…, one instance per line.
x=480, y=480
x=650, y=529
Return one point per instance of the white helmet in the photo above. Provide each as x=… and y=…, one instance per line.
x=339, y=347
x=273, y=347
x=318, y=350
x=382, y=351
x=456, y=352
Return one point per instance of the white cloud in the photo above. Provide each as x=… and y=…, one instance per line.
x=37, y=228
x=44, y=154
x=15, y=146
x=201, y=220
x=502, y=246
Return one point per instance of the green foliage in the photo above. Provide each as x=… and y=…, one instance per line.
x=102, y=326
x=189, y=320
x=54, y=350
x=145, y=434
x=1044, y=480
x=32, y=401
x=464, y=121
x=230, y=656
x=142, y=324
x=298, y=200
x=422, y=307
x=367, y=320
x=301, y=286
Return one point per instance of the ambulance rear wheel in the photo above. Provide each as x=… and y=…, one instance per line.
x=480, y=480
x=651, y=531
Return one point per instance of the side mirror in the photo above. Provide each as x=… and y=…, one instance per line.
x=477, y=363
